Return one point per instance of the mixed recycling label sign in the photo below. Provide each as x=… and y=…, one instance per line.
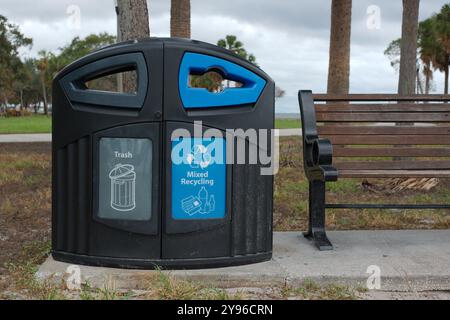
x=198, y=178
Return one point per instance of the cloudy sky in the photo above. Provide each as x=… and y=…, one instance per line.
x=289, y=38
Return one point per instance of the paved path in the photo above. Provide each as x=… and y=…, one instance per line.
x=32, y=137
x=47, y=137
x=289, y=132
x=406, y=260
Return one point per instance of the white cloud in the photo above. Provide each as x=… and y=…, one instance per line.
x=289, y=38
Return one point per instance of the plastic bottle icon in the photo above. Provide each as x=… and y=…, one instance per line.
x=206, y=208
x=203, y=196
x=212, y=203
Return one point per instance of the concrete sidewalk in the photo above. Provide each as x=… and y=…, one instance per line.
x=407, y=261
x=26, y=137
x=47, y=137
x=289, y=133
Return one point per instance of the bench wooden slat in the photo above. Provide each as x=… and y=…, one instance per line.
x=373, y=130
x=381, y=117
x=394, y=173
x=380, y=97
x=394, y=165
x=388, y=139
x=339, y=151
x=394, y=107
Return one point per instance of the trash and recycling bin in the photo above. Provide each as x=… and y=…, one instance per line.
x=129, y=192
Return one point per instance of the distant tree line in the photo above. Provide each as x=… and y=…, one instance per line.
x=27, y=82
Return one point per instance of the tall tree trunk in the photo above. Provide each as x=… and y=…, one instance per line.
x=446, y=79
x=428, y=74
x=340, y=36
x=5, y=98
x=44, y=96
x=119, y=75
x=133, y=19
x=419, y=88
x=408, y=47
x=133, y=23
x=21, y=100
x=408, y=60
x=180, y=19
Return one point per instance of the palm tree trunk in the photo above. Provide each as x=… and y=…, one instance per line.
x=340, y=36
x=180, y=19
x=133, y=19
x=408, y=62
x=21, y=100
x=408, y=47
x=427, y=84
x=133, y=23
x=119, y=39
x=446, y=79
x=419, y=88
x=44, y=97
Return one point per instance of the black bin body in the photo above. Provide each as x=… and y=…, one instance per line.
x=118, y=197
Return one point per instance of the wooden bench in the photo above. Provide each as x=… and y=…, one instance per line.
x=402, y=137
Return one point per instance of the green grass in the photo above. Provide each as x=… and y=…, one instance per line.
x=26, y=124
x=43, y=124
x=23, y=273
x=310, y=290
x=287, y=123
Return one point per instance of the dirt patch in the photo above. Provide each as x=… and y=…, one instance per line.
x=25, y=202
x=27, y=147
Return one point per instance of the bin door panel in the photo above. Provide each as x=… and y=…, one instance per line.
x=126, y=184
x=197, y=215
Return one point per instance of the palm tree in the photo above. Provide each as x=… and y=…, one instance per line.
x=213, y=81
x=340, y=37
x=408, y=47
x=433, y=35
x=180, y=19
x=231, y=43
x=427, y=50
x=443, y=35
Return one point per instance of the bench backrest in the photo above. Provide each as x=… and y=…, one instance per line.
x=378, y=127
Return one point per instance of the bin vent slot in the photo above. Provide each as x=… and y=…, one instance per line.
x=252, y=209
x=119, y=82
x=98, y=84
x=72, y=191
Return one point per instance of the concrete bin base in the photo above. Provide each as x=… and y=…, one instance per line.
x=407, y=261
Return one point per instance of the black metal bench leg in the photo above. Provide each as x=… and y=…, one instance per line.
x=316, y=230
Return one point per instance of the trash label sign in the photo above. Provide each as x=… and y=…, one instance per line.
x=198, y=178
x=125, y=179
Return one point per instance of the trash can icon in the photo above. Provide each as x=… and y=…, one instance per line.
x=123, y=187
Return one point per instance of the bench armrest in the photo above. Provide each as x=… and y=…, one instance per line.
x=317, y=153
